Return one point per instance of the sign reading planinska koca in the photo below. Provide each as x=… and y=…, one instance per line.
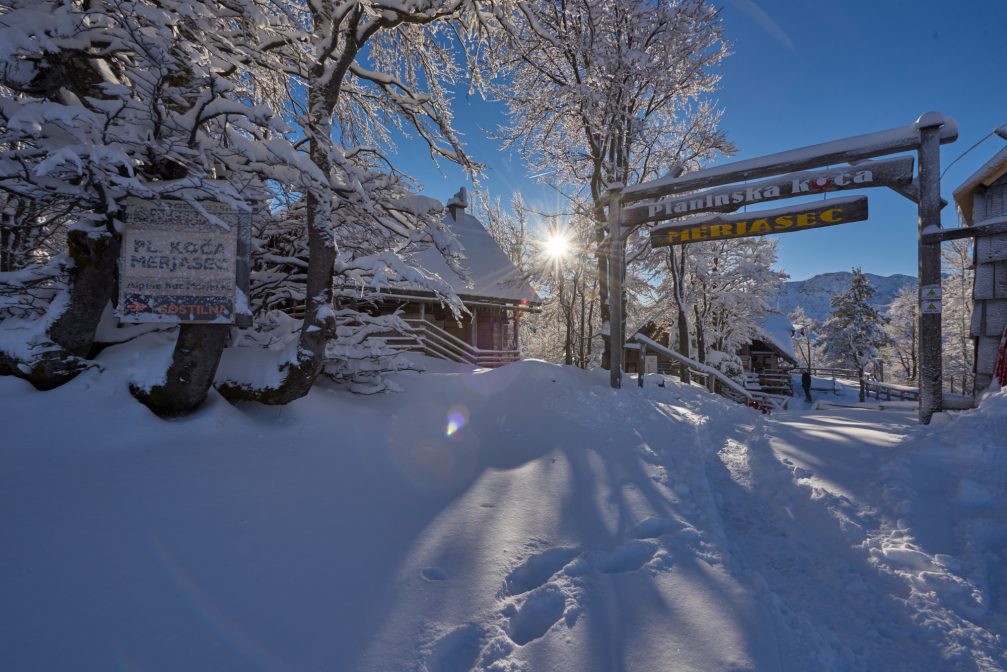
x=892, y=172
x=781, y=220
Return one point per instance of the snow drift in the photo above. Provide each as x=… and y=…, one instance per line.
x=527, y=518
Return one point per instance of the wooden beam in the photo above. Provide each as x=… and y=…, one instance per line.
x=846, y=150
x=930, y=358
x=912, y=192
x=888, y=173
x=977, y=231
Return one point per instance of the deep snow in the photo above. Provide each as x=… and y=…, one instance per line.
x=527, y=518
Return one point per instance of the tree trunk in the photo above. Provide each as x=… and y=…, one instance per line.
x=92, y=286
x=700, y=337
x=194, y=364
x=603, y=309
x=71, y=334
x=587, y=337
x=677, y=267
x=581, y=336
x=319, y=322
x=567, y=308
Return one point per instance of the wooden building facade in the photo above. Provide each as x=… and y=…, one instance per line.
x=982, y=204
x=766, y=359
x=495, y=297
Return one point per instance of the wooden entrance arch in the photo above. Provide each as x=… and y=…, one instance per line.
x=692, y=203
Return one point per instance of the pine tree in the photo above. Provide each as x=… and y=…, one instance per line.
x=854, y=333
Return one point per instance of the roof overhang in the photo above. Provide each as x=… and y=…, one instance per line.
x=990, y=172
x=420, y=296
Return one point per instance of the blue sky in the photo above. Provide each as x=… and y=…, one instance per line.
x=809, y=71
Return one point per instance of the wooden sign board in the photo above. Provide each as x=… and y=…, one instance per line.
x=781, y=220
x=888, y=173
x=178, y=266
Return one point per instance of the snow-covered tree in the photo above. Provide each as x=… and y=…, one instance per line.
x=365, y=68
x=552, y=250
x=104, y=100
x=732, y=283
x=804, y=337
x=854, y=335
x=902, y=329
x=677, y=274
x=956, y=315
x=612, y=92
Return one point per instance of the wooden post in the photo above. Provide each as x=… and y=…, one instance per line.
x=930, y=263
x=642, y=366
x=616, y=261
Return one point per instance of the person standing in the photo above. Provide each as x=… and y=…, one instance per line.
x=806, y=384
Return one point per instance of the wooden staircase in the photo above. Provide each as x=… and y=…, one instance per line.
x=431, y=340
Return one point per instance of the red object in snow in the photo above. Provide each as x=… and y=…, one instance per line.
x=1001, y=370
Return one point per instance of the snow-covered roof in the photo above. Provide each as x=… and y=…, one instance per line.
x=776, y=330
x=492, y=274
x=990, y=172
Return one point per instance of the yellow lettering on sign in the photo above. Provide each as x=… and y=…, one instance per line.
x=806, y=219
x=742, y=229
x=833, y=215
x=698, y=233
x=783, y=222
x=720, y=230
x=760, y=226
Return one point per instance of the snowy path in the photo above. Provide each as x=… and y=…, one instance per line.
x=521, y=520
x=778, y=513
x=799, y=497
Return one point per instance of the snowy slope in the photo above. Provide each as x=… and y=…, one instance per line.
x=813, y=294
x=528, y=518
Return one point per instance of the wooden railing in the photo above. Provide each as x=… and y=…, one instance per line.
x=770, y=382
x=831, y=372
x=719, y=382
x=431, y=340
x=888, y=391
x=727, y=385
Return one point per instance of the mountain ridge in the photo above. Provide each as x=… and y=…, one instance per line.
x=815, y=293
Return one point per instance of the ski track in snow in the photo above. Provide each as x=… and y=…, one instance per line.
x=855, y=610
x=775, y=516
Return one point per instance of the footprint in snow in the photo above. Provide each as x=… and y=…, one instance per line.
x=540, y=611
x=433, y=574
x=457, y=651
x=652, y=528
x=627, y=558
x=538, y=569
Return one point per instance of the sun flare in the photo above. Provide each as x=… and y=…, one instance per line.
x=556, y=246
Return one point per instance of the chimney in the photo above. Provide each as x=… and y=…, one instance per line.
x=457, y=204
